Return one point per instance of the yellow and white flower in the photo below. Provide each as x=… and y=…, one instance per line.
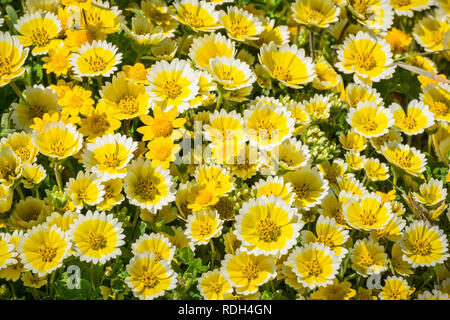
x=405, y=157
x=85, y=189
x=198, y=15
x=407, y=8
x=376, y=15
x=318, y=14
x=368, y=257
x=231, y=73
x=416, y=118
x=431, y=192
x=203, y=226
x=240, y=24
x=210, y=46
x=12, y=58
x=437, y=98
x=213, y=285
x=430, y=30
x=376, y=170
x=370, y=120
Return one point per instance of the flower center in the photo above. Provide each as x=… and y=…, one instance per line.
x=368, y=218
x=59, y=62
x=215, y=287
x=437, y=36
x=97, y=64
x=410, y=123
x=301, y=191
x=111, y=160
x=340, y=218
x=36, y=111
x=237, y=27
x=206, y=229
x=326, y=240
x=162, y=127
x=281, y=73
x=138, y=73
x=313, y=15
x=109, y=193
x=314, y=267
x=146, y=188
x=267, y=230
x=365, y=60
x=366, y=259
x=401, y=3
x=265, y=130
x=57, y=148
x=162, y=152
x=23, y=153
x=98, y=123
x=47, y=253
x=97, y=241
x=172, y=89
x=361, y=6
x=204, y=197
x=250, y=271
x=5, y=66
x=129, y=105
x=149, y=279
x=40, y=37
x=225, y=208
x=422, y=247
x=369, y=125
x=395, y=294
x=440, y=108
x=194, y=20
x=403, y=160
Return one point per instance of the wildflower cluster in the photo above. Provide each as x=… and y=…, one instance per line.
x=196, y=149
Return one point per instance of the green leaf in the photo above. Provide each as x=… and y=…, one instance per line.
x=39, y=73
x=186, y=255
x=168, y=230
x=86, y=289
x=11, y=13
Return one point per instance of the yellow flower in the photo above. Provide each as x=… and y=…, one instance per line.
x=32, y=175
x=231, y=73
x=399, y=265
x=329, y=234
x=7, y=253
x=267, y=226
x=97, y=237
x=172, y=84
x=326, y=77
x=274, y=186
x=39, y=30
x=423, y=244
x=28, y=213
x=62, y=221
x=430, y=30
x=247, y=272
x=213, y=285
x=203, y=226
x=145, y=33
x=240, y=24
x=198, y=15
x=368, y=257
x=280, y=35
x=405, y=157
x=162, y=151
x=148, y=187
x=287, y=64
x=149, y=278
x=75, y=38
x=10, y=166
x=210, y=46
x=367, y=213
x=6, y=198
x=12, y=57
x=336, y=291
x=318, y=107
x=353, y=141
x=416, y=118
x=57, y=61
x=431, y=193
x=137, y=73
x=58, y=140
x=32, y=280
x=101, y=19
x=369, y=120
x=43, y=249
x=314, y=264
x=364, y=294
x=40, y=100
x=98, y=58
x=392, y=231
x=162, y=124
x=369, y=58
x=437, y=98
x=375, y=170
x=113, y=194
x=85, y=189
x=22, y=145
x=108, y=156
x=98, y=121
x=315, y=13
x=374, y=14
x=358, y=92
x=76, y=100
x=395, y=288
x=309, y=186
x=158, y=244
x=434, y=295
x=398, y=39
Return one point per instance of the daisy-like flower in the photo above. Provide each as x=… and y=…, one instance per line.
x=172, y=84
x=113, y=194
x=318, y=14
x=367, y=213
x=137, y=73
x=267, y=226
x=423, y=244
x=374, y=14
x=405, y=157
x=240, y=24
x=149, y=278
x=329, y=234
x=395, y=288
x=392, y=231
x=370, y=120
x=437, y=98
x=203, y=226
x=274, y=186
x=27, y=213
x=376, y=170
x=267, y=127
x=98, y=58
x=102, y=19
x=367, y=57
x=39, y=30
x=7, y=253
x=213, y=285
x=127, y=98
x=318, y=107
x=231, y=73
x=335, y=291
x=416, y=118
x=430, y=30
x=158, y=244
x=210, y=46
x=349, y=184
x=6, y=198
x=431, y=193
x=399, y=265
x=57, y=61
x=145, y=33
x=280, y=35
x=287, y=64
x=358, y=92
x=368, y=257
x=292, y=154
x=32, y=174
x=43, y=249
x=108, y=156
x=162, y=124
x=148, y=187
x=22, y=145
x=162, y=151
x=398, y=40
x=62, y=221
x=407, y=8
x=97, y=237
x=40, y=101
x=12, y=57
x=353, y=141
x=433, y=295
x=198, y=15
x=247, y=272
x=215, y=178
x=10, y=167
x=314, y=264
x=76, y=100
x=99, y=121
x=326, y=77
x=309, y=186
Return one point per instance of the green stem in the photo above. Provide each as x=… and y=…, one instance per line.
x=58, y=176
x=91, y=272
x=99, y=82
x=213, y=253
x=297, y=35
x=52, y=281
x=36, y=192
x=420, y=54
x=311, y=43
x=35, y=294
x=19, y=191
x=135, y=219
x=19, y=93
x=219, y=98
x=180, y=47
